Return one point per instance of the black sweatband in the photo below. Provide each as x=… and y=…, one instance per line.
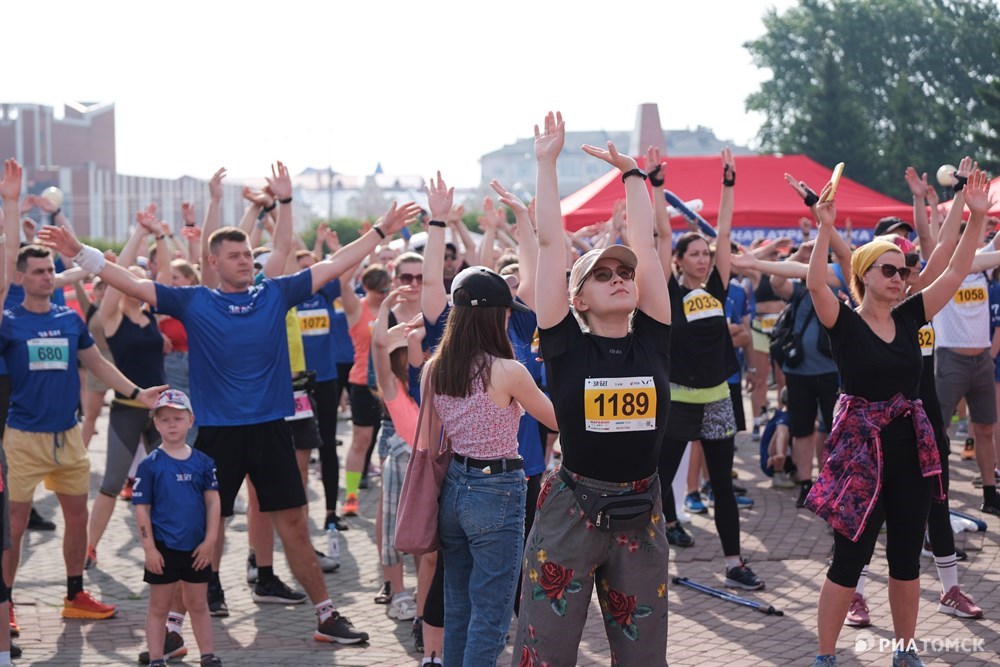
x=285, y=201
x=959, y=183
x=811, y=198
x=731, y=181
x=635, y=172
x=437, y=223
x=656, y=176
x=378, y=231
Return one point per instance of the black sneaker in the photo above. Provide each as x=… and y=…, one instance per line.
x=276, y=592
x=803, y=492
x=173, y=647
x=15, y=651
x=338, y=523
x=217, y=600
x=384, y=594
x=418, y=634
x=677, y=536
x=37, y=522
x=992, y=507
x=363, y=484
x=338, y=629
x=743, y=577
x=210, y=660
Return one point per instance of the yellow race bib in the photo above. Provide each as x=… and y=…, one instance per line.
x=699, y=304
x=314, y=322
x=615, y=405
x=925, y=336
x=970, y=296
x=767, y=321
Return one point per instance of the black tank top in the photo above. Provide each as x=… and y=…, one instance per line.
x=764, y=291
x=138, y=352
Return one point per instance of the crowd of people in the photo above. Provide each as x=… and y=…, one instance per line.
x=568, y=376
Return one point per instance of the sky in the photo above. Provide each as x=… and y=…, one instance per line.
x=414, y=86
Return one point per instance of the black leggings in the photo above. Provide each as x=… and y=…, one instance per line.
x=434, y=605
x=903, y=505
x=719, y=461
x=939, y=518
x=327, y=402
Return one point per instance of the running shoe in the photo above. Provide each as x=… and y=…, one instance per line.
x=363, y=484
x=962, y=430
x=906, y=658
x=252, y=568
x=743, y=577
x=857, y=614
x=693, y=503
x=37, y=522
x=338, y=629
x=957, y=603
x=83, y=605
x=126, y=492
x=782, y=480
x=825, y=661
x=15, y=629
x=326, y=563
x=173, y=647
x=276, y=592
x=991, y=507
x=337, y=522
x=403, y=607
x=742, y=502
x=803, y=492
x=15, y=651
x=217, y=600
x=210, y=660
x=91, y=560
x=677, y=536
x=384, y=595
x=418, y=634
x=351, y=505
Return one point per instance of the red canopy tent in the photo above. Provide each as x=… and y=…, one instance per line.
x=764, y=200
x=994, y=192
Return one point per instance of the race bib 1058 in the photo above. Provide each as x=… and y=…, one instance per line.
x=613, y=405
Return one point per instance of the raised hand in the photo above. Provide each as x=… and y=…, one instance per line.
x=931, y=195
x=191, y=232
x=187, y=212
x=332, y=241
x=280, y=182
x=62, y=240
x=611, y=156
x=10, y=186
x=917, y=185
x=256, y=197
x=806, y=225
x=826, y=211
x=488, y=219
x=455, y=215
x=977, y=193
x=29, y=227
x=215, y=185
x=440, y=198
x=111, y=257
x=28, y=203
x=398, y=217
x=966, y=167
x=618, y=215
x=728, y=165
x=549, y=144
x=165, y=228
x=509, y=199
x=146, y=219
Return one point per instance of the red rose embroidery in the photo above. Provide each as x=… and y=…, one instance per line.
x=544, y=493
x=641, y=486
x=621, y=606
x=554, y=579
x=526, y=659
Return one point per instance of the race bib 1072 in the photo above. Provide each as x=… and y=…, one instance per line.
x=315, y=322
x=614, y=405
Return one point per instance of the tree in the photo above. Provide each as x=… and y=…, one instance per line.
x=989, y=136
x=878, y=84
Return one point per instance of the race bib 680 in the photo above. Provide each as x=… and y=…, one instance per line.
x=48, y=354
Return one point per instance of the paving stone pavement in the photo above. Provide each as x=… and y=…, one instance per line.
x=786, y=547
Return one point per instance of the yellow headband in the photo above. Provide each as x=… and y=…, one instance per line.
x=865, y=256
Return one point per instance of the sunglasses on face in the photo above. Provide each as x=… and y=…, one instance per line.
x=409, y=278
x=888, y=270
x=603, y=274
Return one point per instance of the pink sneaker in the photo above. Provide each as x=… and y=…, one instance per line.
x=957, y=603
x=857, y=614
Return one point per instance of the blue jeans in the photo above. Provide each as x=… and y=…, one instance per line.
x=481, y=525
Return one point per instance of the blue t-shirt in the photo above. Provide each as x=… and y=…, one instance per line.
x=40, y=350
x=316, y=324
x=15, y=295
x=343, y=348
x=434, y=331
x=521, y=328
x=176, y=490
x=994, y=296
x=738, y=306
x=781, y=417
x=238, y=348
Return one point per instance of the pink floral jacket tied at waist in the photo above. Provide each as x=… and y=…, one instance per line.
x=849, y=484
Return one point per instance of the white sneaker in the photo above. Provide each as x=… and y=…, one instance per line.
x=403, y=607
x=782, y=480
x=240, y=505
x=326, y=563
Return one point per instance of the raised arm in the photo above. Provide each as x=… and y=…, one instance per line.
x=725, y=222
x=348, y=298
x=488, y=223
x=191, y=232
x=381, y=364
x=108, y=310
x=468, y=251
x=10, y=190
x=947, y=238
x=551, y=296
x=62, y=240
x=651, y=283
x=352, y=253
x=280, y=185
x=209, y=276
x=527, y=244
x=664, y=235
x=918, y=188
x=434, y=298
x=941, y=291
x=825, y=302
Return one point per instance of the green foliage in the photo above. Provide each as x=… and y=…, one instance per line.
x=989, y=135
x=348, y=229
x=104, y=244
x=878, y=84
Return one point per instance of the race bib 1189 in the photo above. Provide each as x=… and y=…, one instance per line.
x=614, y=405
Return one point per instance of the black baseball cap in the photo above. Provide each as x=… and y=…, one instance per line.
x=891, y=224
x=478, y=286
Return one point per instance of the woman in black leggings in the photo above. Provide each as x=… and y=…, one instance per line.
x=883, y=458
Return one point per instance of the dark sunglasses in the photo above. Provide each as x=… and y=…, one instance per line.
x=603, y=274
x=409, y=278
x=888, y=270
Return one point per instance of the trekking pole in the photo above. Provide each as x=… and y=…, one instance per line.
x=767, y=610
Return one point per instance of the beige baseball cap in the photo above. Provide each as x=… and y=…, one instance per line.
x=583, y=266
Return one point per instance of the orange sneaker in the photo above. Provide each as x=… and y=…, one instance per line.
x=91, y=560
x=126, y=492
x=15, y=629
x=85, y=606
x=351, y=505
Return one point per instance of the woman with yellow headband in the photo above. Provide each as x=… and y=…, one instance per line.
x=883, y=462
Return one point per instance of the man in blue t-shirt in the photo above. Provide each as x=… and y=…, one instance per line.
x=240, y=373
x=41, y=343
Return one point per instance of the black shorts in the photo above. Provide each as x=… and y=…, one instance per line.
x=365, y=408
x=806, y=395
x=736, y=394
x=265, y=452
x=305, y=432
x=177, y=566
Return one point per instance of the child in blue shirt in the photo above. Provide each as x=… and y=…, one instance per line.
x=174, y=486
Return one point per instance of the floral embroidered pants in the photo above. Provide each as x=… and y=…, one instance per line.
x=566, y=555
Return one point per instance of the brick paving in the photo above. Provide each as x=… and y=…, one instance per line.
x=786, y=547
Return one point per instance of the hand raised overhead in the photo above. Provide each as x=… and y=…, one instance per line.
x=10, y=186
x=215, y=185
x=977, y=193
x=549, y=143
x=509, y=199
x=280, y=182
x=398, y=217
x=611, y=156
x=439, y=198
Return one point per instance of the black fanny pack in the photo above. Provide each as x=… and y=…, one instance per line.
x=611, y=512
